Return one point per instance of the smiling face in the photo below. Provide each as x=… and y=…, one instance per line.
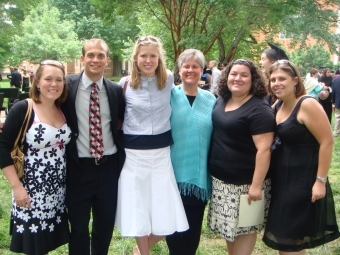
x=282, y=84
x=51, y=83
x=95, y=59
x=265, y=62
x=147, y=60
x=190, y=72
x=239, y=80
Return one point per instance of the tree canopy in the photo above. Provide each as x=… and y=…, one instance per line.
x=222, y=30
x=235, y=26
x=45, y=36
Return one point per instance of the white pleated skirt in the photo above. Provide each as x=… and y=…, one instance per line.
x=148, y=198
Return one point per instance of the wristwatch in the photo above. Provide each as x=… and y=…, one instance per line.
x=324, y=180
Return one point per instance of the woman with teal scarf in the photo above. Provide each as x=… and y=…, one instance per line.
x=191, y=128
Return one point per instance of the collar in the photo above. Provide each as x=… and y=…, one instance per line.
x=86, y=81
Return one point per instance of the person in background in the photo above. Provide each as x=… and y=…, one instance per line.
x=39, y=222
x=239, y=158
x=216, y=73
x=191, y=128
x=16, y=79
x=269, y=57
x=320, y=73
x=326, y=103
x=149, y=204
x=31, y=77
x=95, y=154
x=206, y=77
x=301, y=214
x=220, y=66
x=25, y=80
x=337, y=73
x=312, y=86
x=336, y=104
x=9, y=75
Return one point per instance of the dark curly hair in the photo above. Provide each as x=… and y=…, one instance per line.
x=258, y=86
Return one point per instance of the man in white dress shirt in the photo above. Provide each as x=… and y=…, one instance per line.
x=214, y=77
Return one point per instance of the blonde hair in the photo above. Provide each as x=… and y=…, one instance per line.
x=161, y=72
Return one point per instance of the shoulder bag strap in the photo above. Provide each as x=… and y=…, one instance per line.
x=23, y=129
x=125, y=84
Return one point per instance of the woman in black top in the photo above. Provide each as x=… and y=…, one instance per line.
x=240, y=152
x=327, y=102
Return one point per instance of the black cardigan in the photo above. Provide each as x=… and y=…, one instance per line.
x=10, y=131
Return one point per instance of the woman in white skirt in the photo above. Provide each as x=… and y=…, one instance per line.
x=149, y=204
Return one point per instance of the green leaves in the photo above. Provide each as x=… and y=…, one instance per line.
x=45, y=36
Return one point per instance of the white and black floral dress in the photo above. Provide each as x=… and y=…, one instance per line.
x=44, y=226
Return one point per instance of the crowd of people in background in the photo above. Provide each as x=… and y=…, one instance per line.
x=21, y=80
x=150, y=153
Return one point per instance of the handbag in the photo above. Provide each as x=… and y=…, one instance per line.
x=324, y=94
x=16, y=154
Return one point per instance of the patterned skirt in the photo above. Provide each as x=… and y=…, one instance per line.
x=223, y=209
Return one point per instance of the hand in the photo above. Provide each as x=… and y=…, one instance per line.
x=21, y=197
x=254, y=193
x=1, y=126
x=318, y=191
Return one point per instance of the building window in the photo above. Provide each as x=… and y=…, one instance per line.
x=285, y=35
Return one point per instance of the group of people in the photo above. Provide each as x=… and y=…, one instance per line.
x=147, y=156
x=210, y=76
x=20, y=80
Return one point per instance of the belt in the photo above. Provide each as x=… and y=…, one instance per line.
x=93, y=161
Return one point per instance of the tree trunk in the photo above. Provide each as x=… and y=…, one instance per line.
x=117, y=66
x=221, y=49
x=233, y=47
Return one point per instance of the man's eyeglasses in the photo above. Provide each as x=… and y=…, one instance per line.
x=147, y=38
x=51, y=62
x=290, y=64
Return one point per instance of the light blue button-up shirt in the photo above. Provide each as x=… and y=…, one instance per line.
x=147, y=110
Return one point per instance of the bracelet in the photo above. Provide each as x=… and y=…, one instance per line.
x=324, y=180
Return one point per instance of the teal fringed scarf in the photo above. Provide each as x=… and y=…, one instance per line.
x=191, y=128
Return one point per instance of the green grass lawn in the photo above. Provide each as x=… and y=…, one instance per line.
x=210, y=244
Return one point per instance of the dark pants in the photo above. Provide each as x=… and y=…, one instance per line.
x=91, y=187
x=186, y=243
x=327, y=106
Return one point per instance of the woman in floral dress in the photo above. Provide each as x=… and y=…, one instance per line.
x=38, y=219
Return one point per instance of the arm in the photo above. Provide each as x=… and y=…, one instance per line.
x=262, y=143
x=19, y=192
x=209, y=79
x=310, y=111
x=11, y=129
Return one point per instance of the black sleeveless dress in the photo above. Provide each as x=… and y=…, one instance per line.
x=295, y=223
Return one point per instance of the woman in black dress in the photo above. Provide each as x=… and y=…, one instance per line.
x=326, y=103
x=301, y=213
x=25, y=80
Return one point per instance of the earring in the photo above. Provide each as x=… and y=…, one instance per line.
x=38, y=89
x=295, y=89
